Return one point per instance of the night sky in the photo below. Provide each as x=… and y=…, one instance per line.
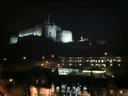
x=98, y=20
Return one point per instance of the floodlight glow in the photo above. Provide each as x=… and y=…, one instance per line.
x=89, y=71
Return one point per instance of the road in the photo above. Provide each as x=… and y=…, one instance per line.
x=6, y=91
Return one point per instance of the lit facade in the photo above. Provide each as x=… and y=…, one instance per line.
x=104, y=61
x=13, y=39
x=35, y=31
x=50, y=31
x=65, y=36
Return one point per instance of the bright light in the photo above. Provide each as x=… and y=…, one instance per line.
x=119, y=65
x=89, y=71
x=5, y=59
x=53, y=70
x=10, y=80
x=46, y=61
x=41, y=65
x=52, y=56
x=80, y=64
x=113, y=76
x=111, y=65
x=43, y=57
x=24, y=58
x=105, y=53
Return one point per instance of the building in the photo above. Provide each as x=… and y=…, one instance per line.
x=50, y=31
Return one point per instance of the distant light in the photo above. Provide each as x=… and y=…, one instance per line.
x=52, y=56
x=119, y=65
x=53, y=70
x=46, y=61
x=90, y=43
x=113, y=76
x=80, y=64
x=24, y=58
x=105, y=53
x=43, y=57
x=5, y=59
x=10, y=80
x=42, y=65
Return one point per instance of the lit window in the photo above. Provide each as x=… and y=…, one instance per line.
x=91, y=61
x=46, y=61
x=99, y=61
x=102, y=61
x=119, y=64
x=119, y=60
x=36, y=81
x=70, y=64
x=80, y=64
x=91, y=64
x=79, y=60
x=96, y=64
x=113, y=76
x=111, y=65
x=119, y=57
x=104, y=65
x=110, y=60
x=87, y=60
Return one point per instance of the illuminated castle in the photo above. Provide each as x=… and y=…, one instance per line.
x=51, y=31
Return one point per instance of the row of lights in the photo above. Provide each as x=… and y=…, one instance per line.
x=24, y=58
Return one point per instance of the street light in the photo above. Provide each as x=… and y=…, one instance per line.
x=12, y=81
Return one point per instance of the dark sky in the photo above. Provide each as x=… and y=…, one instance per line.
x=106, y=20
